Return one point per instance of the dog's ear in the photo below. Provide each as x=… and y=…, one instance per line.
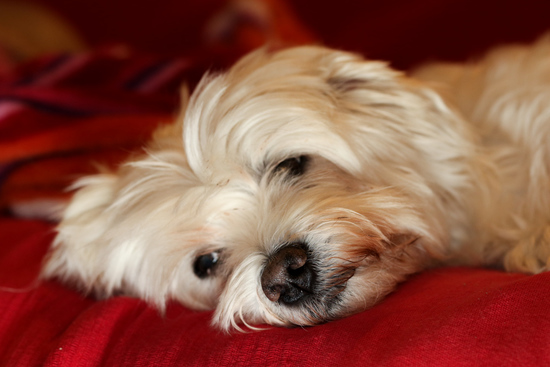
x=365, y=86
x=74, y=257
x=398, y=128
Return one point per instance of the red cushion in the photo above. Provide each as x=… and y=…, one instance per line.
x=454, y=316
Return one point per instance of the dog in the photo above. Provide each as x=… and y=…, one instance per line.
x=303, y=185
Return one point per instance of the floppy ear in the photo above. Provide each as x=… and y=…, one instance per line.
x=110, y=215
x=408, y=136
x=74, y=256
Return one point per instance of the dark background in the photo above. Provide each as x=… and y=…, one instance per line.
x=404, y=32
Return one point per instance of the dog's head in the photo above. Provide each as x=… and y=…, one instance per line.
x=297, y=188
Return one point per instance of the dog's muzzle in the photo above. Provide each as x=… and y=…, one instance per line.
x=288, y=276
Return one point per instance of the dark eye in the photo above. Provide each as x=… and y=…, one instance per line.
x=205, y=265
x=295, y=166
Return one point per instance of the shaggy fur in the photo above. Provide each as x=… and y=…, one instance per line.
x=303, y=185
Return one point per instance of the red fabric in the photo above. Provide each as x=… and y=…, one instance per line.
x=444, y=317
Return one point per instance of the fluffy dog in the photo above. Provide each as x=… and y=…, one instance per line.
x=303, y=185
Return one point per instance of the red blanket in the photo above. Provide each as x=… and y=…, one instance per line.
x=62, y=116
x=450, y=317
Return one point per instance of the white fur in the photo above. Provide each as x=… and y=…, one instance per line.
x=451, y=167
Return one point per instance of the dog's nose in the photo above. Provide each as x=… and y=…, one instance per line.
x=288, y=275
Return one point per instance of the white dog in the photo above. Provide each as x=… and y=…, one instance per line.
x=303, y=185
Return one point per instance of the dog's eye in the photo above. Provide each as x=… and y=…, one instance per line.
x=295, y=166
x=205, y=265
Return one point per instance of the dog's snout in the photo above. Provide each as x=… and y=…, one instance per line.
x=288, y=275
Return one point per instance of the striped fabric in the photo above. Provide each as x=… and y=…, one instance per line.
x=62, y=113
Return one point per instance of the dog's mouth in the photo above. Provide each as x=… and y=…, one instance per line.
x=296, y=281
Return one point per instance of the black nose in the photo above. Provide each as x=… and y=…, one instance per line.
x=288, y=276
